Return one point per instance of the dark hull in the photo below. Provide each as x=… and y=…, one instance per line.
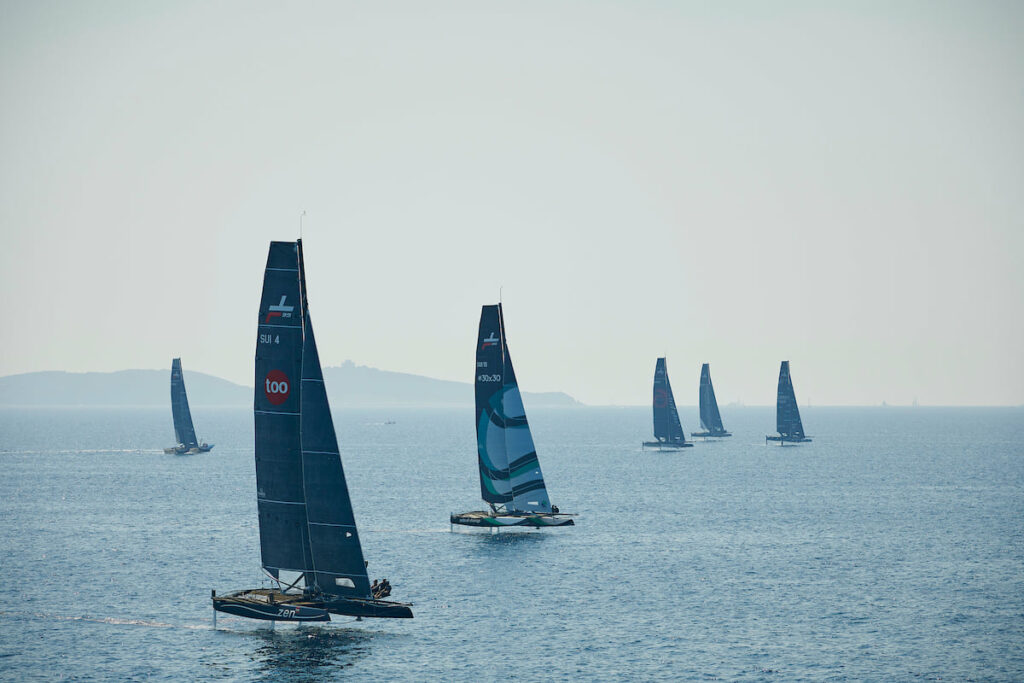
x=496, y=520
x=270, y=612
x=271, y=605
x=710, y=435
x=662, y=445
x=787, y=439
x=181, y=450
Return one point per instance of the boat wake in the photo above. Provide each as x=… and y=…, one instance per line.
x=86, y=451
x=116, y=621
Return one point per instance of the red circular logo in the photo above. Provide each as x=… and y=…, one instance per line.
x=277, y=387
x=660, y=397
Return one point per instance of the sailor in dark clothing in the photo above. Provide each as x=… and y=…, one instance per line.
x=385, y=588
x=554, y=509
x=374, y=588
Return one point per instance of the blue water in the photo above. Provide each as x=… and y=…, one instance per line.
x=892, y=548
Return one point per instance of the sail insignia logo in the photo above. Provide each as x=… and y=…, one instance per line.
x=276, y=387
x=490, y=341
x=660, y=397
x=280, y=310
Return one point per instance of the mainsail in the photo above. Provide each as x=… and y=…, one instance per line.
x=307, y=530
x=787, y=414
x=667, y=428
x=710, y=418
x=184, y=432
x=510, y=476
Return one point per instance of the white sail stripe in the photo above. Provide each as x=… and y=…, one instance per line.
x=321, y=452
x=285, y=270
x=312, y=379
x=281, y=502
x=343, y=526
x=290, y=327
x=273, y=412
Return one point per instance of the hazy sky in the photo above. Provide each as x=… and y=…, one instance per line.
x=837, y=184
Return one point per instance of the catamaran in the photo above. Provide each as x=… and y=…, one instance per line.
x=710, y=418
x=511, y=482
x=787, y=413
x=308, y=537
x=667, y=429
x=184, y=431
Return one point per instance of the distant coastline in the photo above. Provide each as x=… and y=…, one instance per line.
x=349, y=385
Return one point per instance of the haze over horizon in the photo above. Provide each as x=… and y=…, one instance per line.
x=837, y=186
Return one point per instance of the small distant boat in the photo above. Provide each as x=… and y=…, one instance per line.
x=184, y=431
x=787, y=413
x=710, y=418
x=308, y=537
x=511, y=482
x=667, y=429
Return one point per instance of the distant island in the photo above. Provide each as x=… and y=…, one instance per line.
x=349, y=386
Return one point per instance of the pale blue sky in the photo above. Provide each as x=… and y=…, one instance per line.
x=837, y=184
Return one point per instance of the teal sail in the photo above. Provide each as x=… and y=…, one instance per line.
x=510, y=474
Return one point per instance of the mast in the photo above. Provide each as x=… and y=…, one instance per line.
x=184, y=431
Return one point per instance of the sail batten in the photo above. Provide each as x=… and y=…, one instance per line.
x=507, y=458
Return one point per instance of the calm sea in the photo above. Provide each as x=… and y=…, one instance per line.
x=892, y=548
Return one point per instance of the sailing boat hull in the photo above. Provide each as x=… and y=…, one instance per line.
x=271, y=605
x=491, y=520
x=257, y=605
x=710, y=435
x=181, y=450
x=787, y=439
x=667, y=445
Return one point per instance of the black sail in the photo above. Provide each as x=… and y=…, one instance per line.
x=787, y=414
x=667, y=427
x=710, y=418
x=337, y=556
x=184, y=432
x=281, y=502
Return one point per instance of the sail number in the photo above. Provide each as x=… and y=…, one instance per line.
x=270, y=339
x=488, y=378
